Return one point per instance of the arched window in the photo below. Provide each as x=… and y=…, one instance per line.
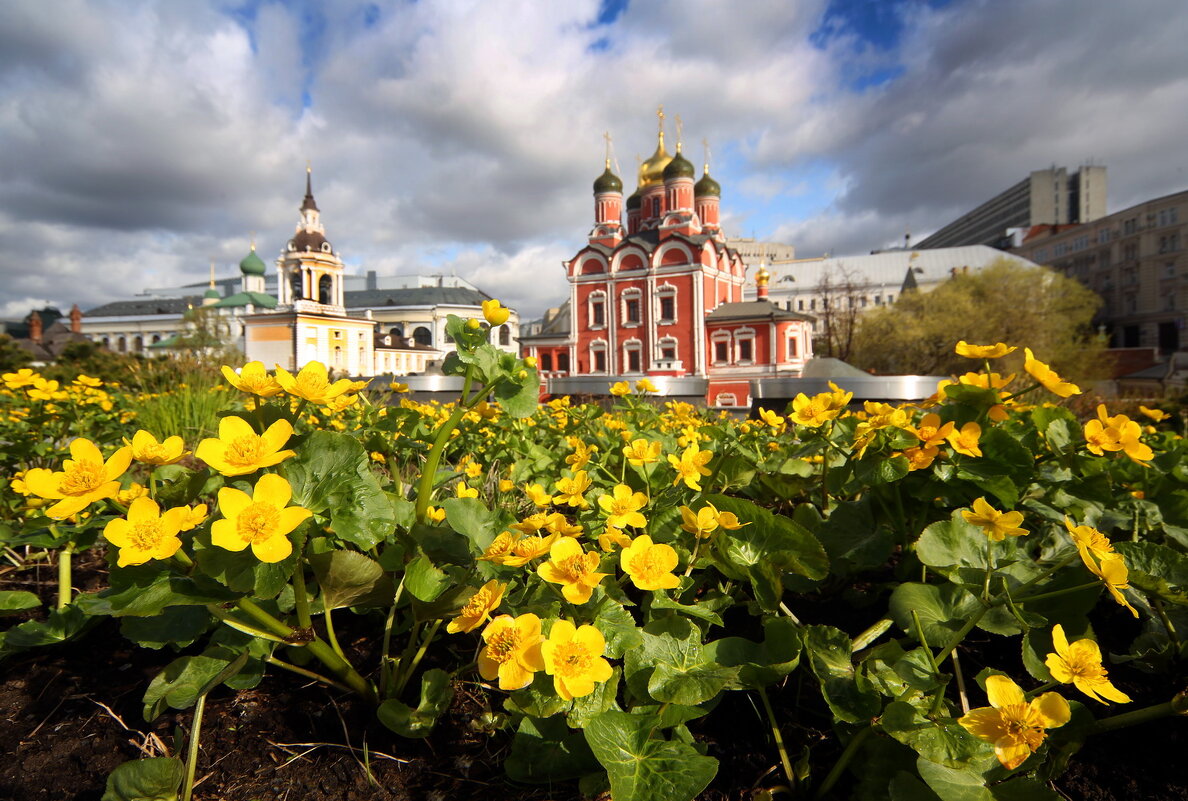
x=156, y=338
x=295, y=285
x=138, y=344
x=423, y=336
x=504, y=335
x=666, y=305
x=563, y=362
x=744, y=340
x=666, y=349
x=338, y=356
x=596, y=311
x=325, y=288
x=633, y=356
x=122, y=345
x=546, y=361
x=396, y=331
x=631, y=310
x=720, y=341
x=598, y=361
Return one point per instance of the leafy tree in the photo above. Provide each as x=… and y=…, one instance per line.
x=1003, y=302
x=12, y=356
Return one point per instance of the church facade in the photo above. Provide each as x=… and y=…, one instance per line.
x=657, y=292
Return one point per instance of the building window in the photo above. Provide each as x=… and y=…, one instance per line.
x=504, y=335
x=667, y=304
x=725, y=399
x=632, y=302
x=423, y=336
x=138, y=344
x=722, y=352
x=800, y=305
x=634, y=363
x=563, y=362
x=600, y=361
x=546, y=361
x=597, y=310
x=746, y=348
x=793, y=348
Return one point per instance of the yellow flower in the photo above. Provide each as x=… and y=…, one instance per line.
x=21, y=378
x=463, y=491
x=965, y=441
x=1117, y=433
x=262, y=520
x=814, y=411
x=146, y=449
x=512, y=652
x=1158, y=415
x=500, y=547
x=691, y=466
x=728, y=521
x=525, y=549
x=559, y=524
x=536, y=493
x=473, y=469
x=620, y=388
x=996, y=524
x=572, y=491
x=1080, y=665
x=611, y=537
x=134, y=491
x=572, y=568
x=435, y=513
x=995, y=351
x=1048, y=377
x=645, y=385
x=930, y=432
x=532, y=524
x=473, y=325
x=495, y=313
x=573, y=657
x=146, y=534
x=312, y=383
x=92, y=383
x=641, y=452
x=922, y=457
x=1113, y=573
x=238, y=450
x=84, y=478
x=478, y=609
x=702, y=523
x=621, y=506
x=650, y=566
x=1013, y=724
x=506, y=485
x=253, y=379
x=398, y=388
x=530, y=361
x=771, y=418
x=1097, y=552
x=581, y=453
x=193, y=517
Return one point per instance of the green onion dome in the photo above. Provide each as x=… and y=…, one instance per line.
x=252, y=264
x=707, y=186
x=634, y=201
x=607, y=182
x=679, y=167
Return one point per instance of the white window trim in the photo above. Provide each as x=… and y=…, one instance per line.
x=667, y=290
x=632, y=345
x=596, y=346
x=631, y=293
x=720, y=399
x=720, y=337
x=741, y=334
x=598, y=295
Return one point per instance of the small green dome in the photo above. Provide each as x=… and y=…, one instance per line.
x=607, y=182
x=634, y=201
x=679, y=167
x=252, y=264
x=707, y=186
x=212, y=293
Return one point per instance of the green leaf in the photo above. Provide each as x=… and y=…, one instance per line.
x=61, y=625
x=671, y=665
x=942, y=609
x=951, y=784
x=616, y=624
x=424, y=580
x=948, y=744
x=156, y=779
x=641, y=768
x=545, y=751
x=770, y=539
x=852, y=539
x=241, y=572
x=538, y=700
x=436, y=695
x=949, y=543
x=877, y=469
x=183, y=680
x=602, y=699
x=518, y=396
x=176, y=625
x=762, y=663
x=473, y=520
x=12, y=601
x=847, y=693
x=349, y=578
x=1156, y=569
x=147, y=590
x=702, y=610
x=331, y=475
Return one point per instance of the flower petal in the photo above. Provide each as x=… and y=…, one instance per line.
x=117, y=463
x=277, y=434
x=233, y=501
x=43, y=483
x=224, y=535
x=232, y=427
x=273, y=489
x=1002, y=691
x=272, y=550
x=1053, y=710
x=1011, y=753
x=83, y=450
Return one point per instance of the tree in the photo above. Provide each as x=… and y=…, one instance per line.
x=12, y=356
x=1003, y=302
x=841, y=297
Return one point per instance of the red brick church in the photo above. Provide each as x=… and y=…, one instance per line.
x=661, y=295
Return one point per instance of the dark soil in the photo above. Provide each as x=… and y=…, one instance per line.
x=72, y=713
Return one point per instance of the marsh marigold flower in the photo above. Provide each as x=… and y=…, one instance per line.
x=1117, y=433
x=701, y=523
x=146, y=534
x=995, y=351
x=1015, y=726
x=574, y=569
x=495, y=313
x=930, y=432
x=650, y=565
x=771, y=418
x=572, y=491
x=642, y=452
x=147, y=450
x=84, y=478
x=253, y=379
x=537, y=494
x=620, y=388
x=814, y=411
x=966, y=440
x=1048, y=377
x=130, y=493
x=573, y=657
x=435, y=513
x=621, y=506
x=581, y=453
x=645, y=385
x=262, y=520
x=478, y=608
x=997, y=525
x=193, y=517
x=312, y=383
x=512, y=652
x=691, y=466
x=239, y=450
x=1097, y=552
x=461, y=490
x=1158, y=415
x=1079, y=664
x=525, y=549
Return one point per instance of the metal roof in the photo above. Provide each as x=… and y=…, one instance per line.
x=415, y=296
x=753, y=310
x=126, y=308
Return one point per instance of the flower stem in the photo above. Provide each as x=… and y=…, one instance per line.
x=65, y=568
x=847, y=755
x=192, y=748
x=412, y=667
x=1043, y=596
x=1176, y=706
x=309, y=674
x=301, y=596
x=779, y=739
x=330, y=635
x=425, y=483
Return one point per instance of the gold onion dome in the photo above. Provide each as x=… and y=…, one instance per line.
x=651, y=172
x=763, y=276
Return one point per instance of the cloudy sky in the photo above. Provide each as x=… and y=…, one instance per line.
x=141, y=140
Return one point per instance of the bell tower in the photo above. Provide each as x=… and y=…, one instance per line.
x=309, y=271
